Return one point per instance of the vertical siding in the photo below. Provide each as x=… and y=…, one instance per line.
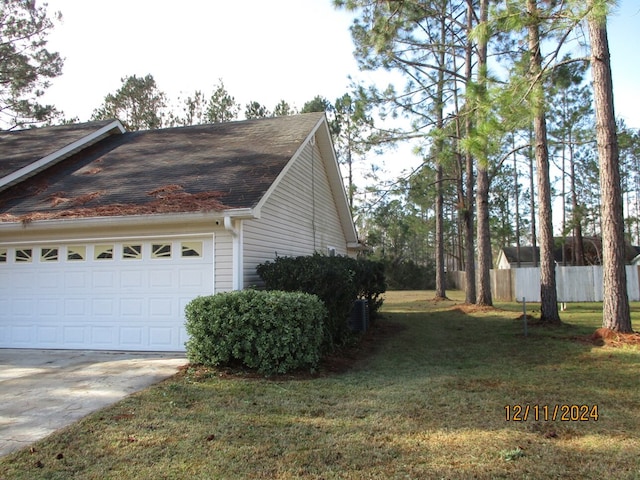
x=299, y=218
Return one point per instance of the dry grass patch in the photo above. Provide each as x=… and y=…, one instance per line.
x=426, y=399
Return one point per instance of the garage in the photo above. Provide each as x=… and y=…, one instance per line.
x=111, y=294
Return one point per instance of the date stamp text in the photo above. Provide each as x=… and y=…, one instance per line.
x=546, y=413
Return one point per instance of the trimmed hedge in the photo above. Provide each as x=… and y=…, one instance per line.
x=337, y=281
x=269, y=331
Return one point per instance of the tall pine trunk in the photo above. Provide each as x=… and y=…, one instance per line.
x=439, y=144
x=548, y=294
x=615, y=307
x=469, y=239
x=485, y=261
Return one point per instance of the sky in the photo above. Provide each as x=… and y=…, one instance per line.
x=263, y=51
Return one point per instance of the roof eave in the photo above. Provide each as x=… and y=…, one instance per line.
x=123, y=221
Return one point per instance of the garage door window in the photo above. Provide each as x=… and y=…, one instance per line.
x=3, y=255
x=191, y=249
x=161, y=250
x=24, y=255
x=131, y=252
x=49, y=254
x=103, y=252
x=76, y=252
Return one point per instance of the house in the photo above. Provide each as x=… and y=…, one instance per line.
x=514, y=257
x=106, y=235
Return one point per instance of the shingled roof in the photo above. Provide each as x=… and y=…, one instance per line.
x=20, y=148
x=207, y=167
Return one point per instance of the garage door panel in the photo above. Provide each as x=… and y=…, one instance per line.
x=47, y=335
x=21, y=335
x=74, y=307
x=74, y=336
x=121, y=303
x=132, y=307
x=23, y=281
x=162, y=308
x=22, y=307
x=48, y=281
x=191, y=277
x=103, y=337
x=162, y=336
x=48, y=307
x=133, y=279
x=103, y=279
x=132, y=337
x=102, y=307
x=75, y=279
x=162, y=277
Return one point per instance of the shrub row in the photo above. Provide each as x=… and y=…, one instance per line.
x=269, y=331
x=338, y=281
x=409, y=275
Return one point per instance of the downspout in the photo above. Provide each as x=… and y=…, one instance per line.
x=236, y=242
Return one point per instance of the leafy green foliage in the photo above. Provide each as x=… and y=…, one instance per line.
x=337, y=281
x=371, y=280
x=271, y=332
x=405, y=274
x=27, y=65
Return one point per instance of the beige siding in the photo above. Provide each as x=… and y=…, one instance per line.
x=223, y=261
x=299, y=218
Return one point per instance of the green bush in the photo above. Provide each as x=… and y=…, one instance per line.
x=371, y=282
x=269, y=331
x=327, y=277
x=337, y=281
x=409, y=275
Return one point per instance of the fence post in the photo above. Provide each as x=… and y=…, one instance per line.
x=524, y=315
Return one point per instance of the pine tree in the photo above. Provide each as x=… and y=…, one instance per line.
x=27, y=66
x=615, y=308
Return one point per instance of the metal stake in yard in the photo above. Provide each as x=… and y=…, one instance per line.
x=524, y=315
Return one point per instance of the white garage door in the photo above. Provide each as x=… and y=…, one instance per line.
x=108, y=295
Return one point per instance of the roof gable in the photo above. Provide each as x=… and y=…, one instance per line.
x=320, y=134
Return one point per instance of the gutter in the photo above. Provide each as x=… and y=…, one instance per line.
x=233, y=225
x=228, y=225
x=128, y=220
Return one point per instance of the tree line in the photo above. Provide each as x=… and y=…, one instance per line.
x=493, y=97
x=496, y=95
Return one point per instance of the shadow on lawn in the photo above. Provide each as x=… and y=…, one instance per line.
x=489, y=354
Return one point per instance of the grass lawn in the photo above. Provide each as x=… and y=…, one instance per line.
x=430, y=401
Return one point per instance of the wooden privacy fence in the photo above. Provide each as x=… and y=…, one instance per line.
x=573, y=284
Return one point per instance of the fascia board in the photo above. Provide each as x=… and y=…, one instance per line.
x=128, y=220
x=336, y=181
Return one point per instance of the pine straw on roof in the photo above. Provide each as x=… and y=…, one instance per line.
x=167, y=199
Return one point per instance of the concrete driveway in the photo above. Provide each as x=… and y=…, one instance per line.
x=44, y=390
